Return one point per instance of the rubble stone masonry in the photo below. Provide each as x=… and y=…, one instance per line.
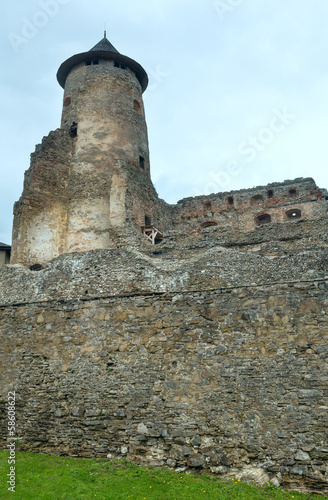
x=216, y=361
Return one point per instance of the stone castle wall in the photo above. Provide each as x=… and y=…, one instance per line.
x=60, y=204
x=40, y=216
x=248, y=208
x=206, y=352
x=231, y=380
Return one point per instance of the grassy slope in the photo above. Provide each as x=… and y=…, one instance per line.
x=45, y=477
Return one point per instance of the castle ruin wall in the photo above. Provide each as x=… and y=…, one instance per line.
x=230, y=381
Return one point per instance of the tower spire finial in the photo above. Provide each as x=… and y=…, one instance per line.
x=105, y=34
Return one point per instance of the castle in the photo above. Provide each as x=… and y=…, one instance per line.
x=191, y=335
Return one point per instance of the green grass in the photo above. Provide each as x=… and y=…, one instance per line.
x=45, y=477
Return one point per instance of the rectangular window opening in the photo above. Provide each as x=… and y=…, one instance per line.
x=73, y=130
x=119, y=65
x=142, y=162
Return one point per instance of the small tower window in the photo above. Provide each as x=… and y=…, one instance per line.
x=293, y=214
x=257, y=199
x=230, y=201
x=95, y=62
x=36, y=267
x=263, y=219
x=118, y=65
x=207, y=223
x=270, y=193
x=137, y=106
x=292, y=193
x=67, y=100
x=142, y=162
x=147, y=221
x=73, y=130
x=207, y=206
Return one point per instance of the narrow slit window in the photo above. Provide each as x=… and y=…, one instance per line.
x=36, y=267
x=142, y=162
x=137, y=106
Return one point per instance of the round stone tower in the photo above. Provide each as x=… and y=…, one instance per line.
x=103, y=106
x=88, y=186
x=103, y=112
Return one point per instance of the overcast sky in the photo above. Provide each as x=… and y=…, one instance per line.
x=238, y=93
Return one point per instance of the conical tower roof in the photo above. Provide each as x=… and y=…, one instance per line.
x=102, y=50
x=104, y=46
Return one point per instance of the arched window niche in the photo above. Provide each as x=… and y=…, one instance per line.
x=263, y=219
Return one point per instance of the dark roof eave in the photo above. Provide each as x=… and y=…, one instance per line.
x=69, y=64
x=3, y=246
